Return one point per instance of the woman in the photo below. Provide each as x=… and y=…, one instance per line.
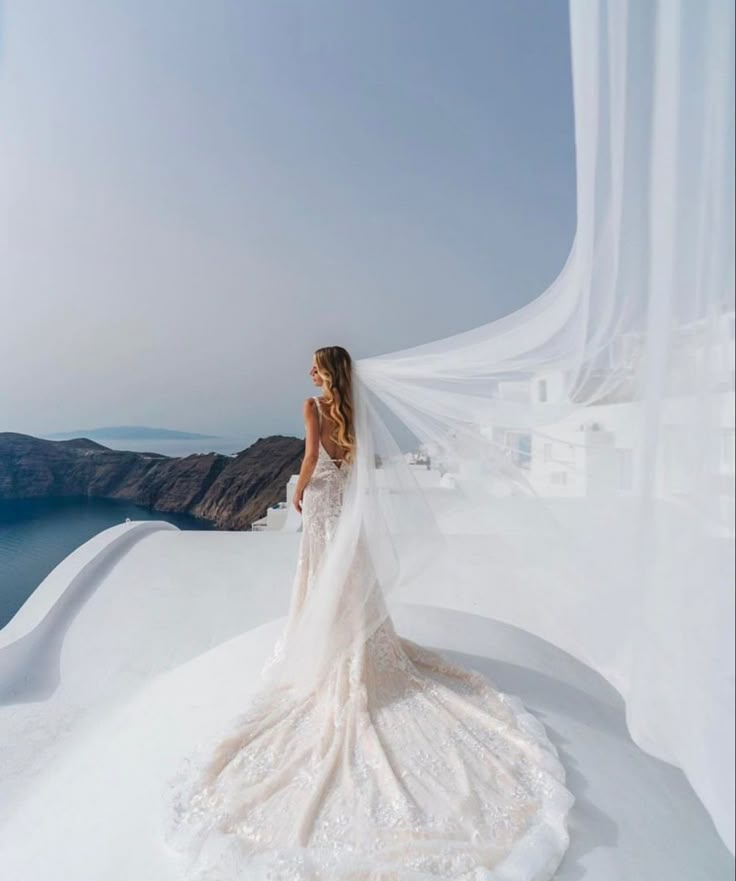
x=396, y=764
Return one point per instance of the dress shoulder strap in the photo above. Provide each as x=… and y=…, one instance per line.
x=319, y=408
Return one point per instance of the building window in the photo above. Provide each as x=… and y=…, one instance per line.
x=559, y=478
x=524, y=450
x=542, y=389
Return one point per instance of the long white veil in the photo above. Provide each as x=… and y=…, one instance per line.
x=576, y=475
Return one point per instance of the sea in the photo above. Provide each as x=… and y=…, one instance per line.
x=37, y=534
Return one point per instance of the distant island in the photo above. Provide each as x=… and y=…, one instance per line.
x=129, y=432
x=228, y=491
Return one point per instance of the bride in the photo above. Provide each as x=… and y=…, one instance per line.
x=365, y=756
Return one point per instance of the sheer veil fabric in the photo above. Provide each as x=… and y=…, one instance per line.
x=584, y=443
x=590, y=433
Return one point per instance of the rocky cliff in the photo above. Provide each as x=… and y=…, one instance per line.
x=229, y=491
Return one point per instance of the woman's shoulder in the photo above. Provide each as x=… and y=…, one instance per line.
x=310, y=405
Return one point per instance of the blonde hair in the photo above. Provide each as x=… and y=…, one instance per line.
x=335, y=367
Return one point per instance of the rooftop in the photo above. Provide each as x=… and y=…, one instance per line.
x=146, y=640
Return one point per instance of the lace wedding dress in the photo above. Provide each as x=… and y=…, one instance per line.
x=401, y=766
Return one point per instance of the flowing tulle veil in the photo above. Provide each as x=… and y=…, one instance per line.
x=580, y=439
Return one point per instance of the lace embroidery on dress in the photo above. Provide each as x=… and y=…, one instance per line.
x=402, y=766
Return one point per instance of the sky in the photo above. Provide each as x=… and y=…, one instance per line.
x=194, y=196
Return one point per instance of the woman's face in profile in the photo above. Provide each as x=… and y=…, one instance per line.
x=316, y=378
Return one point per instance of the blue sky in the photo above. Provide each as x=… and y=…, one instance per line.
x=194, y=195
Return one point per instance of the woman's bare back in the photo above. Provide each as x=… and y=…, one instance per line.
x=326, y=427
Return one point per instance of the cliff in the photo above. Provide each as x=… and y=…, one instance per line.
x=229, y=491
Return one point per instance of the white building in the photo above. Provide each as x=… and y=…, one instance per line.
x=282, y=515
x=597, y=450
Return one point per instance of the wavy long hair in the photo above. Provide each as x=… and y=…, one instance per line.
x=335, y=367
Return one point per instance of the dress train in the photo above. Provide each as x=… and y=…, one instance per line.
x=401, y=766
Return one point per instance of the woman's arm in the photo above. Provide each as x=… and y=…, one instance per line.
x=311, y=450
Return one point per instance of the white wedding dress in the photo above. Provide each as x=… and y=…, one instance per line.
x=401, y=766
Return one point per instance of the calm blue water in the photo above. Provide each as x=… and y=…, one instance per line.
x=36, y=535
